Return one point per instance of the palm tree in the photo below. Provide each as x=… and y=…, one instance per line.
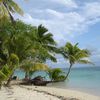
x=4, y=74
x=56, y=74
x=14, y=40
x=46, y=44
x=13, y=62
x=75, y=55
x=7, y=7
x=44, y=37
x=30, y=67
x=3, y=55
x=26, y=42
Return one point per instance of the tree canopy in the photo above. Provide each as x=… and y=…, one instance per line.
x=74, y=54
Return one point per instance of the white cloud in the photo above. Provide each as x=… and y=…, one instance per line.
x=67, y=3
x=54, y=13
x=92, y=10
x=65, y=25
x=61, y=24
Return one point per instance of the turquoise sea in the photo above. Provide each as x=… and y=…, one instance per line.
x=82, y=79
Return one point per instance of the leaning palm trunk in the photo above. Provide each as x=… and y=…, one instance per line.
x=0, y=84
x=26, y=75
x=11, y=17
x=9, y=80
x=68, y=72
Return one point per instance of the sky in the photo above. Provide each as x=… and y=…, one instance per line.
x=69, y=21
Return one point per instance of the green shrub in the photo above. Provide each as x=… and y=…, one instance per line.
x=56, y=74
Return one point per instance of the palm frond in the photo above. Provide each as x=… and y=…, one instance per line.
x=41, y=30
x=85, y=62
x=14, y=7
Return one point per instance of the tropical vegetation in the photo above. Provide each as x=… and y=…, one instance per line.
x=56, y=74
x=28, y=43
x=27, y=47
x=74, y=54
x=7, y=7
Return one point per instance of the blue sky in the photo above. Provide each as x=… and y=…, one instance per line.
x=68, y=20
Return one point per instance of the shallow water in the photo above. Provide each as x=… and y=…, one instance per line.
x=83, y=79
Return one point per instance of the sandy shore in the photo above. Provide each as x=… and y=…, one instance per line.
x=42, y=93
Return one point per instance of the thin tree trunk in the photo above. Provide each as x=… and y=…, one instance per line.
x=26, y=76
x=9, y=80
x=68, y=72
x=0, y=84
x=11, y=17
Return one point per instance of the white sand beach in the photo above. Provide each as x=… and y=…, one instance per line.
x=18, y=93
x=42, y=93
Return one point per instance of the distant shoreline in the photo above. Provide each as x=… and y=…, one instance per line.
x=85, y=80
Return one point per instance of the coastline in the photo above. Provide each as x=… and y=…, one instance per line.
x=43, y=93
x=81, y=89
x=81, y=79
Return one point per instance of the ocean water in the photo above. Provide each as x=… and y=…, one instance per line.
x=82, y=79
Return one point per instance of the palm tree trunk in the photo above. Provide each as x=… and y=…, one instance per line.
x=9, y=80
x=65, y=77
x=11, y=17
x=26, y=75
x=68, y=72
x=0, y=84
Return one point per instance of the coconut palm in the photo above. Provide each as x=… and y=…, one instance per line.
x=75, y=55
x=15, y=40
x=56, y=74
x=3, y=55
x=45, y=38
x=45, y=45
x=7, y=7
x=30, y=67
x=23, y=40
x=4, y=74
x=13, y=62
